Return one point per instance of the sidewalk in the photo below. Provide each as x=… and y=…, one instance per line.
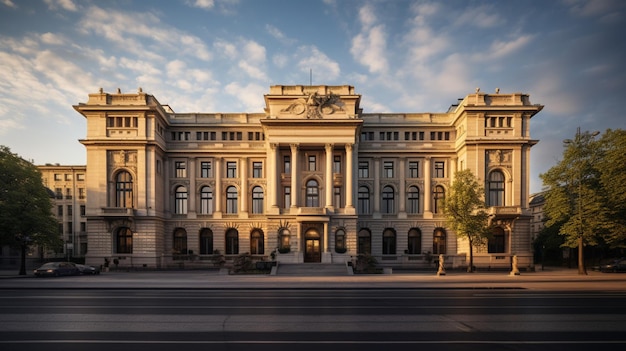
x=551, y=278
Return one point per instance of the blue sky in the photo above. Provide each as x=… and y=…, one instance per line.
x=222, y=56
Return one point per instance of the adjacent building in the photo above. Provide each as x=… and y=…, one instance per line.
x=312, y=177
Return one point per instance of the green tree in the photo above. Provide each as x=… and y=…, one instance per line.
x=464, y=208
x=575, y=198
x=611, y=167
x=25, y=207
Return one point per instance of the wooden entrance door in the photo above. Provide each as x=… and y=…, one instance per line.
x=312, y=251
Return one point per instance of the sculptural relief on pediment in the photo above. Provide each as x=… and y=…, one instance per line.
x=315, y=106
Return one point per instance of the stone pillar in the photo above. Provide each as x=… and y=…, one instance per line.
x=273, y=176
x=376, y=197
x=427, y=188
x=191, y=200
x=349, y=177
x=218, y=187
x=244, y=186
x=329, y=177
x=402, y=186
x=295, y=189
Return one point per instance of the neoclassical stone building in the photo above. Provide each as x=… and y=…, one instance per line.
x=312, y=177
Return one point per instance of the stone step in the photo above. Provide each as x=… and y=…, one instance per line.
x=312, y=269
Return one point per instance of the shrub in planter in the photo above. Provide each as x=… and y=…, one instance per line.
x=242, y=263
x=218, y=259
x=284, y=249
x=366, y=263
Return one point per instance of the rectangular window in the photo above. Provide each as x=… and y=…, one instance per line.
x=59, y=193
x=257, y=170
x=80, y=177
x=287, y=197
x=60, y=210
x=206, y=169
x=81, y=193
x=364, y=169
x=68, y=177
x=388, y=169
x=337, y=164
x=180, y=169
x=421, y=135
x=337, y=197
x=312, y=163
x=231, y=169
x=440, y=169
x=287, y=164
x=58, y=177
x=68, y=193
x=413, y=169
x=69, y=210
x=433, y=135
x=365, y=136
x=82, y=210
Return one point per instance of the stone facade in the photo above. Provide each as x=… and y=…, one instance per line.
x=312, y=177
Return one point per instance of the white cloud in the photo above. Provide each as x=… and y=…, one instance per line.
x=480, y=16
x=67, y=5
x=310, y=57
x=500, y=49
x=369, y=47
x=203, y=4
x=279, y=35
x=9, y=3
x=280, y=60
x=52, y=39
x=249, y=95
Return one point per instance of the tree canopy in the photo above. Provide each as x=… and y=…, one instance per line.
x=25, y=205
x=464, y=208
x=586, y=194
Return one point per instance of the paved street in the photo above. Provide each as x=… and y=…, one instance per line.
x=201, y=310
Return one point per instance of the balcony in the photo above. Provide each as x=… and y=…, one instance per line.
x=504, y=211
x=116, y=212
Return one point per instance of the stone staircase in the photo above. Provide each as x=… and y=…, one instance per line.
x=313, y=269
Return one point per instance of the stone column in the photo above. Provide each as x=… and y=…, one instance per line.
x=244, y=186
x=427, y=188
x=295, y=189
x=329, y=177
x=349, y=177
x=273, y=176
x=192, y=188
x=402, y=186
x=376, y=197
x=218, y=187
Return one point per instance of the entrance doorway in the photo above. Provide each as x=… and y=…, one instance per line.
x=312, y=250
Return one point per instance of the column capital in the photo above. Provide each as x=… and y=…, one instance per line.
x=294, y=147
x=349, y=147
x=328, y=147
x=273, y=146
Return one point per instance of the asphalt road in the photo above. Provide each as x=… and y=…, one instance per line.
x=319, y=318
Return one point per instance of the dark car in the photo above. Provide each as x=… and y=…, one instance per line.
x=55, y=269
x=85, y=269
x=618, y=265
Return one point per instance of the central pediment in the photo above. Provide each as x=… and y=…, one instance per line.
x=312, y=102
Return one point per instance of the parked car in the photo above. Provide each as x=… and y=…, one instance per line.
x=55, y=269
x=618, y=265
x=85, y=269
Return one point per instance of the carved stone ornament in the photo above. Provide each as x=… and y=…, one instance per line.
x=315, y=106
x=499, y=157
x=122, y=159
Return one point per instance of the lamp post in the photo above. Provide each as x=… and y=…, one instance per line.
x=579, y=143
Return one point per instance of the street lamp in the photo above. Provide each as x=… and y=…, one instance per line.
x=579, y=143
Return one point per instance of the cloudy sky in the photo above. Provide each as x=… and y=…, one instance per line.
x=222, y=56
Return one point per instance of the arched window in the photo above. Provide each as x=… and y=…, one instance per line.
x=340, y=241
x=124, y=241
x=180, y=200
x=206, y=200
x=439, y=241
x=312, y=194
x=389, y=242
x=206, y=241
x=364, y=244
x=439, y=195
x=415, y=241
x=388, y=200
x=257, y=246
x=231, y=200
x=496, y=242
x=284, y=240
x=232, y=242
x=413, y=200
x=124, y=190
x=257, y=200
x=496, y=188
x=364, y=200
x=180, y=241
